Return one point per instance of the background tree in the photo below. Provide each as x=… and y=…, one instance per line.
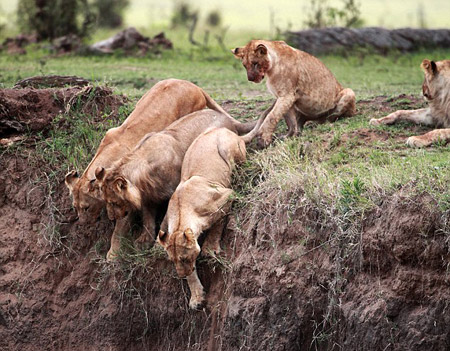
x=322, y=15
x=110, y=12
x=55, y=18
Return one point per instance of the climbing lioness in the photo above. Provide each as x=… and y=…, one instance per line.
x=436, y=90
x=200, y=202
x=166, y=102
x=148, y=175
x=304, y=88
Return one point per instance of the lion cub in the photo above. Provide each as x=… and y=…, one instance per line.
x=149, y=174
x=304, y=88
x=436, y=89
x=200, y=202
x=163, y=104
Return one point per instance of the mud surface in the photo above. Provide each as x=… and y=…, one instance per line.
x=30, y=109
x=289, y=283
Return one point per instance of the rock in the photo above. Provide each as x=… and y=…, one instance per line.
x=326, y=40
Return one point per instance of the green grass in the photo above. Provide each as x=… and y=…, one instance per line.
x=332, y=163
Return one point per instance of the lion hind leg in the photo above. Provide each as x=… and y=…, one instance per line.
x=435, y=136
x=346, y=105
x=421, y=116
x=197, y=291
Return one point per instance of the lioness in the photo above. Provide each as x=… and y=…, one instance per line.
x=164, y=103
x=148, y=175
x=304, y=88
x=436, y=90
x=200, y=202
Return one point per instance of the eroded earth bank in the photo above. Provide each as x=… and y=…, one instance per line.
x=291, y=277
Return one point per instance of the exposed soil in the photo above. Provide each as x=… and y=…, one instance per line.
x=30, y=109
x=290, y=284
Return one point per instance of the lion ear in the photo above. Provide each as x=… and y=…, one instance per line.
x=162, y=238
x=238, y=53
x=71, y=179
x=100, y=173
x=429, y=66
x=120, y=183
x=189, y=234
x=91, y=185
x=261, y=50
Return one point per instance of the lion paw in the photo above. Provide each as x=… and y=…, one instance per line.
x=197, y=300
x=374, y=122
x=111, y=256
x=264, y=140
x=211, y=247
x=144, y=241
x=416, y=142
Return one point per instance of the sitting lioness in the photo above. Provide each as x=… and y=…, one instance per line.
x=148, y=175
x=200, y=202
x=436, y=90
x=166, y=102
x=304, y=88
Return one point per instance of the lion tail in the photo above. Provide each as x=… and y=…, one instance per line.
x=240, y=127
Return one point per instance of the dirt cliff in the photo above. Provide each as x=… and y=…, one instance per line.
x=288, y=279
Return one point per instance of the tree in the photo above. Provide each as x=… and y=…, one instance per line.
x=110, y=12
x=55, y=18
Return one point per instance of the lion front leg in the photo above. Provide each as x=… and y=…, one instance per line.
x=281, y=107
x=437, y=135
x=197, y=291
x=147, y=237
x=122, y=227
x=421, y=116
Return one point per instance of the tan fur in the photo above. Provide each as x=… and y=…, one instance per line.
x=200, y=202
x=305, y=89
x=166, y=102
x=436, y=89
x=149, y=174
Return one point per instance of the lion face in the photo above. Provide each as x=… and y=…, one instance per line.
x=182, y=248
x=255, y=59
x=436, y=78
x=86, y=197
x=120, y=195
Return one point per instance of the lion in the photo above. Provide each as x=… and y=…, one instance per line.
x=148, y=175
x=436, y=90
x=304, y=88
x=163, y=104
x=200, y=202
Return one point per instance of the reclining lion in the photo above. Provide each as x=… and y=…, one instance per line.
x=200, y=202
x=436, y=89
x=304, y=88
x=164, y=103
x=148, y=175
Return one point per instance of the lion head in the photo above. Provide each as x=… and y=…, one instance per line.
x=86, y=197
x=437, y=78
x=182, y=248
x=255, y=58
x=120, y=195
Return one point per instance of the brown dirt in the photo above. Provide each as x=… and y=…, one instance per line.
x=291, y=285
x=33, y=110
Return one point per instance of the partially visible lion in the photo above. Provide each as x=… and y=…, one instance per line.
x=164, y=103
x=304, y=88
x=436, y=90
x=148, y=175
x=200, y=202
